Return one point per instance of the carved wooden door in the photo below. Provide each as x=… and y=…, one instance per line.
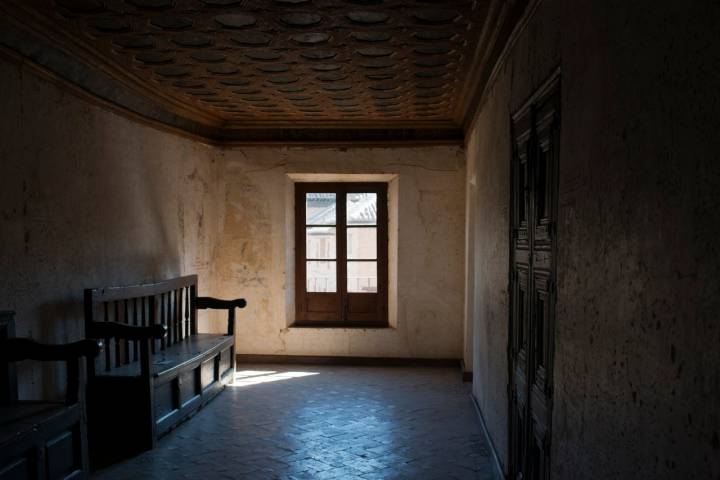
x=532, y=282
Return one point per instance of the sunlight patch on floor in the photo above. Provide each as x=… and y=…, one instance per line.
x=245, y=378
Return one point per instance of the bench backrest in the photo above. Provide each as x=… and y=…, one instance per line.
x=8, y=375
x=170, y=303
x=14, y=349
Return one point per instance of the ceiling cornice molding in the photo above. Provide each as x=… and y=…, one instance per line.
x=479, y=60
x=34, y=68
x=343, y=124
x=22, y=17
x=512, y=18
x=345, y=136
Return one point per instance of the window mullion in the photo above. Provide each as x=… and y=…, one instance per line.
x=341, y=246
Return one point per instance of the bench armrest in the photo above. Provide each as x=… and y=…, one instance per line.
x=16, y=349
x=124, y=331
x=216, y=303
x=229, y=305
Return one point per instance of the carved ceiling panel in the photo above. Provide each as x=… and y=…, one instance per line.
x=287, y=61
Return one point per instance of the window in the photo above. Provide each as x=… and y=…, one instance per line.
x=341, y=254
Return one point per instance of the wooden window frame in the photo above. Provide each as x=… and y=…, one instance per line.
x=342, y=309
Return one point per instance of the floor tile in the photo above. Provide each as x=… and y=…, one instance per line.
x=325, y=423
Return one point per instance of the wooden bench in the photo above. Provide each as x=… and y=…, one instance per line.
x=157, y=369
x=42, y=440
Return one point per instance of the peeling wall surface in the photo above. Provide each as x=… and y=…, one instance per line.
x=90, y=199
x=636, y=333
x=255, y=257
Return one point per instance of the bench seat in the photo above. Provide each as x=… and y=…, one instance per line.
x=38, y=429
x=21, y=417
x=190, y=352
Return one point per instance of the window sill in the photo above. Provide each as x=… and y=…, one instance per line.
x=339, y=325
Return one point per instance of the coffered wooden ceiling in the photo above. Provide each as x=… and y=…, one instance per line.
x=269, y=69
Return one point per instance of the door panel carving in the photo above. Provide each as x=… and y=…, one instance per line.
x=534, y=213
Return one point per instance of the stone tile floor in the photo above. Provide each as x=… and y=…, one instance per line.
x=325, y=422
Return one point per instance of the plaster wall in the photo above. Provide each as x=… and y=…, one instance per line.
x=636, y=333
x=89, y=199
x=470, y=270
x=255, y=258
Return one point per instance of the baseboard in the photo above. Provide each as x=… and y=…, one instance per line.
x=340, y=360
x=497, y=465
x=467, y=376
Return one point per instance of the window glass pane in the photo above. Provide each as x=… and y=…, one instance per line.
x=320, y=208
x=362, y=277
x=362, y=208
x=320, y=242
x=321, y=276
x=362, y=243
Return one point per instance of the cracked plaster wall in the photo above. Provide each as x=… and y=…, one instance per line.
x=87, y=199
x=255, y=255
x=636, y=332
